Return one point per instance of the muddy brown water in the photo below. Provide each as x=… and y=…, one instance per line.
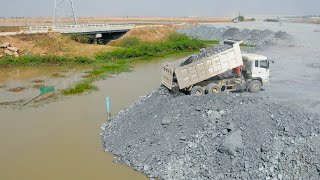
x=29, y=79
x=62, y=140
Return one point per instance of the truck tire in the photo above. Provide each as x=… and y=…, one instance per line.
x=197, y=91
x=255, y=86
x=213, y=88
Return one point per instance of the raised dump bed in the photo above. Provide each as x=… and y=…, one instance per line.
x=201, y=70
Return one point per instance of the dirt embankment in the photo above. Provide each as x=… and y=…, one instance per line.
x=148, y=33
x=58, y=44
x=9, y=28
x=52, y=44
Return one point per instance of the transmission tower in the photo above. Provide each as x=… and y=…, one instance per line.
x=64, y=13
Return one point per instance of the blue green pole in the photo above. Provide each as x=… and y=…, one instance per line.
x=108, y=104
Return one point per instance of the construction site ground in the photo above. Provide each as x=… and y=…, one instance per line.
x=273, y=134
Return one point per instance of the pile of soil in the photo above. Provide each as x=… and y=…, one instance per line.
x=148, y=33
x=223, y=136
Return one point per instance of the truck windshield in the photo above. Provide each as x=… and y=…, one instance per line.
x=264, y=64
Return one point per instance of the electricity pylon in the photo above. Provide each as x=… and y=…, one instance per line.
x=64, y=13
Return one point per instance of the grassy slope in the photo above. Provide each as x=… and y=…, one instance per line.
x=133, y=49
x=140, y=43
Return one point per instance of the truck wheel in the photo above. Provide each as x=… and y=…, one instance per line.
x=213, y=88
x=255, y=86
x=197, y=91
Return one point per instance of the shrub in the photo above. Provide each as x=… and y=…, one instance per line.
x=174, y=37
x=79, y=88
x=129, y=42
x=175, y=42
x=81, y=38
x=241, y=18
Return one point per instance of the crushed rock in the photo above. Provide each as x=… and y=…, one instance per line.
x=206, y=53
x=260, y=38
x=223, y=136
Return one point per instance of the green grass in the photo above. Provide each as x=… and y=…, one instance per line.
x=248, y=45
x=173, y=44
x=129, y=42
x=110, y=68
x=211, y=41
x=36, y=60
x=99, y=72
x=79, y=88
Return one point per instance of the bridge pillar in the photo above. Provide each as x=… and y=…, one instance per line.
x=99, y=35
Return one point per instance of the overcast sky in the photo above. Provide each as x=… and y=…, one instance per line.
x=207, y=8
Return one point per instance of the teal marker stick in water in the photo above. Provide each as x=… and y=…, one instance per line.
x=108, y=104
x=46, y=89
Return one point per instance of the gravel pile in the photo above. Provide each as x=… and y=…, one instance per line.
x=224, y=136
x=253, y=37
x=206, y=53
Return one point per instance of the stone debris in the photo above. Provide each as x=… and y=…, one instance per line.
x=257, y=39
x=9, y=50
x=4, y=45
x=260, y=38
x=206, y=53
x=10, y=53
x=223, y=136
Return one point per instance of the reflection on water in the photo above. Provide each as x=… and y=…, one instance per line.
x=62, y=141
x=31, y=78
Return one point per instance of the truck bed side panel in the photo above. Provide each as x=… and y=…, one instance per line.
x=167, y=76
x=208, y=67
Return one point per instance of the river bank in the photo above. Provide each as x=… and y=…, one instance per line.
x=126, y=51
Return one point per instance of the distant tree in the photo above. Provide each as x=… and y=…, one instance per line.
x=252, y=19
x=241, y=18
x=271, y=20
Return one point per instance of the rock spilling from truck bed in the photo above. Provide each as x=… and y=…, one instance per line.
x=223, y=136
x=206, y=53
x=252, y=37
x=256, y=39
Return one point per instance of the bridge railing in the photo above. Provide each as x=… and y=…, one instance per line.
x=79, y=27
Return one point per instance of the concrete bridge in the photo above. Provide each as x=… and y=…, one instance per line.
x=81, y=28
x=90, y=29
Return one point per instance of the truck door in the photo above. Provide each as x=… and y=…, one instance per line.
x=261, y=70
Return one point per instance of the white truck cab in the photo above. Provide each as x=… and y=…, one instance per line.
x=257, y=66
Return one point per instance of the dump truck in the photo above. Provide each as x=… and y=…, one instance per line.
x=229, y=70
